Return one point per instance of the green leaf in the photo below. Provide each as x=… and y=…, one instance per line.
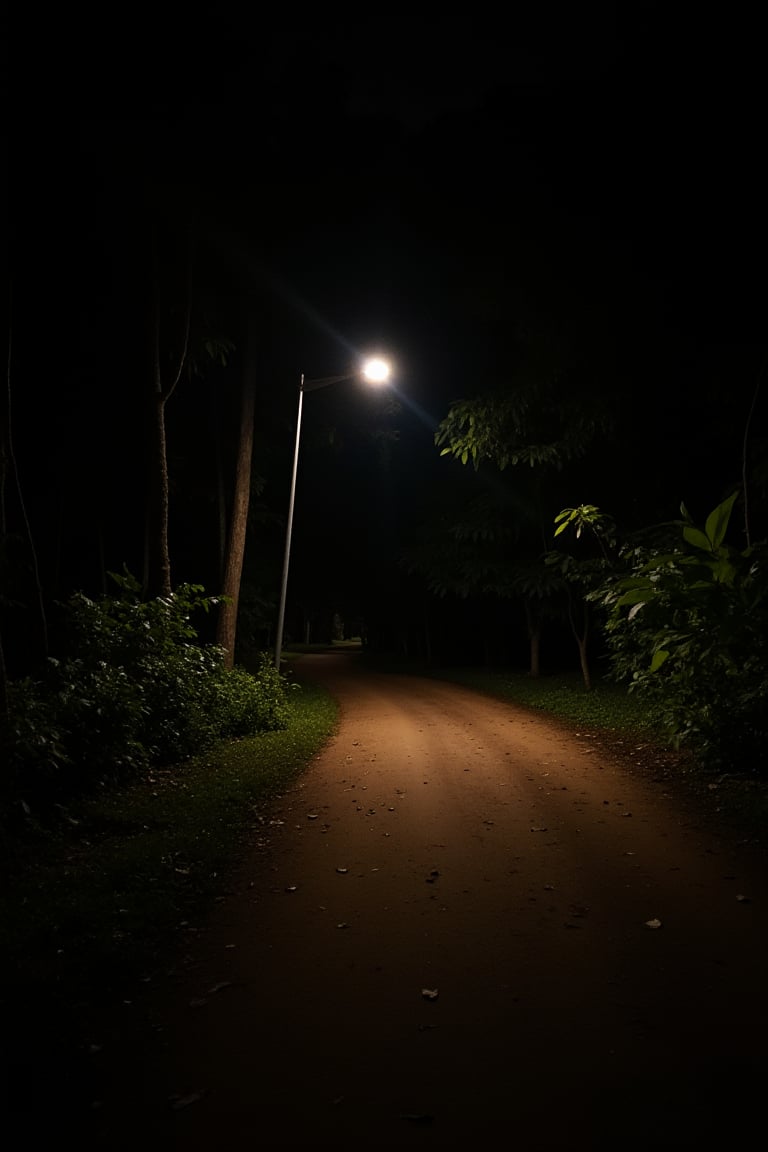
x=697, y=538
x=724, y=571
x=658, y=659
x=717, y=521
x=634, y=596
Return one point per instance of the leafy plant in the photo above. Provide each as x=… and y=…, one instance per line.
x=531, y=423
x=688, y=630
x=582, y=572
x=135, y=688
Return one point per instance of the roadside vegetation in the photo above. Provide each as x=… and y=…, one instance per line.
x=108, y=889
x=102, y=883
x=141, y=765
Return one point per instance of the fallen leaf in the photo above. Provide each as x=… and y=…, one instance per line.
x=184, y=1101
x=653, y=923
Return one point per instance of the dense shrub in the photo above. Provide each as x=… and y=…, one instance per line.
x=134, y=688
x=250, y=703
x=688, y=631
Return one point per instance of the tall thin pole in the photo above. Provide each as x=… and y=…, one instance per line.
x=375, y=370
x=288, y=530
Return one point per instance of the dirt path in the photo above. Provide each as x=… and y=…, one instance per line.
x=448, y=941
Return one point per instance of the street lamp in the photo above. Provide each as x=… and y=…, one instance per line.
x=375, y=371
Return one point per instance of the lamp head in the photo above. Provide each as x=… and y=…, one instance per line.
x=376, y=370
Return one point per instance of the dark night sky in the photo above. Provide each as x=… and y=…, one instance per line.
x=414, y=186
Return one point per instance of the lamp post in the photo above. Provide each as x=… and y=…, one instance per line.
x=376, y=371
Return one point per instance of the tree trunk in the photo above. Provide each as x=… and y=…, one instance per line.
x=582, y=640
x=5, y=724
x=157, y=559
x=583, y=660
x=534, y=641
x=226, y=628
x=535, y=644
x=5, y=719
x=221, y=494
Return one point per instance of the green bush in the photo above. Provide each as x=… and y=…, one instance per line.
x=687, y=629
x=250, y=703
x=74, y=725
x=135, y=688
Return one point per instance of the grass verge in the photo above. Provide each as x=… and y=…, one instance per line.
x=97, y=894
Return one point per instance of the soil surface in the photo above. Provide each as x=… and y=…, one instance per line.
x=464, y=924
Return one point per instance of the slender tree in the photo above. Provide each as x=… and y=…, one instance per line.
x=185, y=341
x=4, y=455
x=226, y=629
x=583, y=571
x=167, y=365
x=745, y=453
x=8, y=466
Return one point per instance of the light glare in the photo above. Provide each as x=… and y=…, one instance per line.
x=376, y=370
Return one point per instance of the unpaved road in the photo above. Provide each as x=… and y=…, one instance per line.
x=445, y=843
